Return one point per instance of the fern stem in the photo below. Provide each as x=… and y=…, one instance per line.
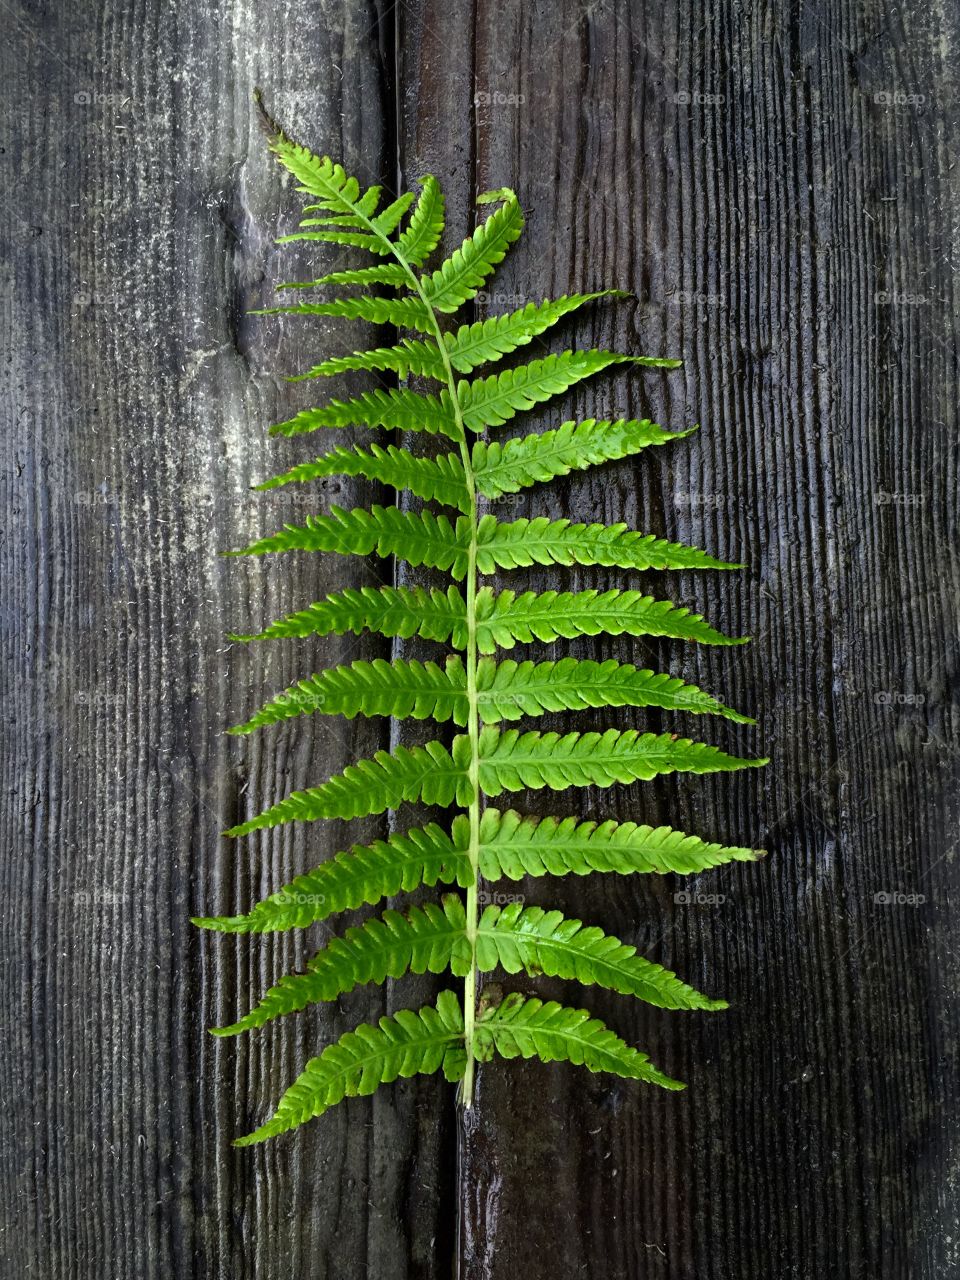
x=470, y=656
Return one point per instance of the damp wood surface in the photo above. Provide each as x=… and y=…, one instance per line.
x=778, y=187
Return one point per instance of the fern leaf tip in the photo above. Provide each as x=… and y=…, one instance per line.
x=222, y=924
x=493, y=197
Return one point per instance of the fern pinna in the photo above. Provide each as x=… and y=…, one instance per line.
x=480, y=694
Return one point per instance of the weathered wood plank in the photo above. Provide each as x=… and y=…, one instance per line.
x=140, y=207
x=736, y=168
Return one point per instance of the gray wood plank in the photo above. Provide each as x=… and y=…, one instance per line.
x=140, y=207
x=760, y=178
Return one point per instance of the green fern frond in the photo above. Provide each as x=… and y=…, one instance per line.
x=427, y=939
x=489, y=340
x=423, y=233
x=505, y=691
x=406, y=1044
x=388, y=273
x=441, y=479
x=460, y=277
x=317, y=175
x=400, y=688
x=407, y=313
x=389, y=611
x=506, y=618
x=432, y=938
x=515, y=761
x=545, y=541
x=428, y=773
x=418, y=537
x=573, y=446
x=490, y=402
x=396, y=410
x=476, y=692
x=522, y=1027
x=507, y=761
x=513, y=846
x=511, y=690
x=348, y=239
x=364, y=874
x=530, y=940
x=410, y=357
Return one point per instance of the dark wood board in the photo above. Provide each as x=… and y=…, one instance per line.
x=778, y=186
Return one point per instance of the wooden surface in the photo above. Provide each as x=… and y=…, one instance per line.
x=778, y=185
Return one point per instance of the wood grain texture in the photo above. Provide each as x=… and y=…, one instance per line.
x=778, y=186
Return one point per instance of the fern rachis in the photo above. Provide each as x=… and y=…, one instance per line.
x=482, y=695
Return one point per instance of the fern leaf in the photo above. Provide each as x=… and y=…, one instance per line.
x=440, y=479
x=503, y=619
x=506, y=618
x=389, y=611
x=513, y=846
x=511, y=690
x=533, y=941
x=395, y=410
x=491, y=339
x=416, y=537
x=428, y=773
x=409, y=357
x=365, y=205
x=390, y=273
x=363, y=874
x=492, y=401
x=407, y=313
x=475, y=692
x=390, y=218
x=349, y=239
x=426, y=939
x=505, y=691
x=402, y=688
x=524, y=1027
x=545, y=541
x=573, y=446
x=426, y=224
x=406, y=1044
x=515, y=761
x=318, y=176
x=348, y=220
x=464, y=272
